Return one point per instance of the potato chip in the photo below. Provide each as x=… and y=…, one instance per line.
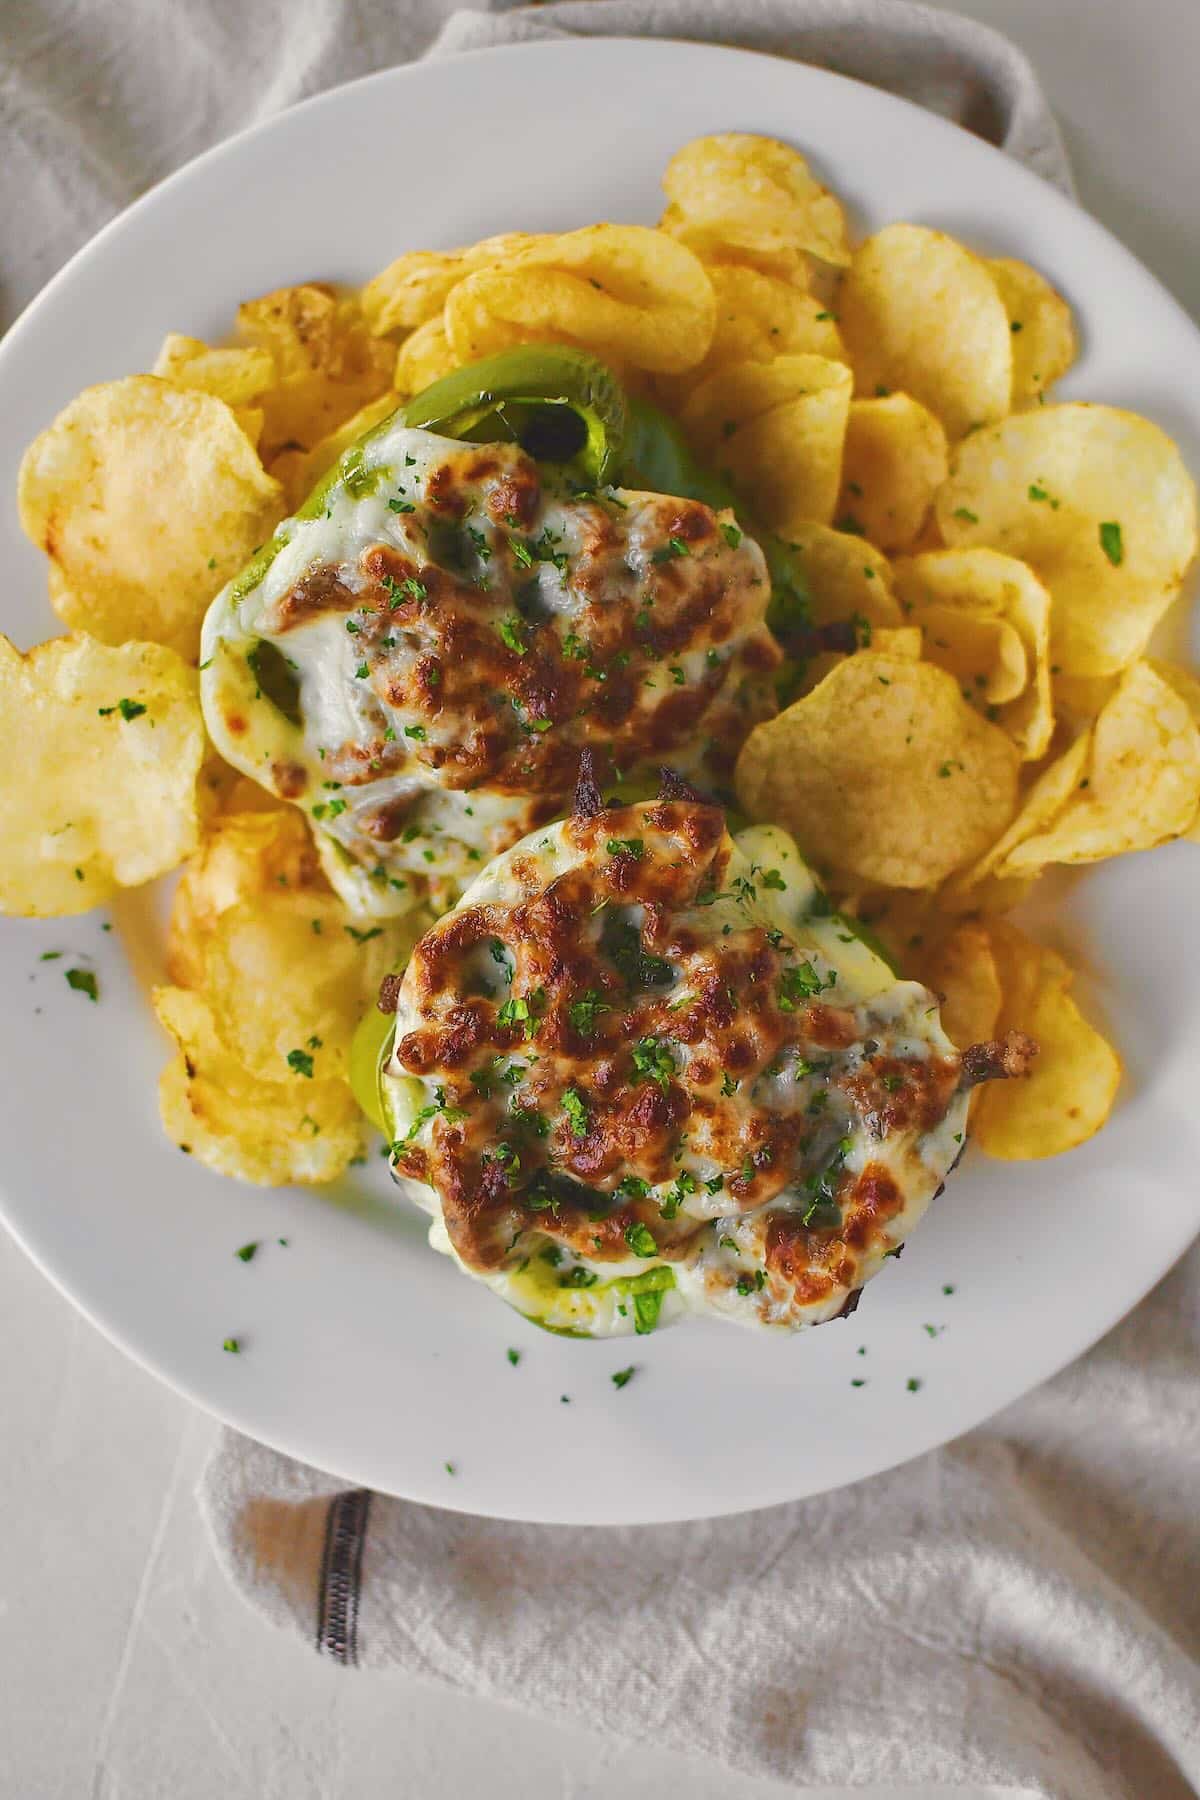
x=762, y=316
x=847, y=578
x=252, y=419
x=777, y=428
x=423, y=359
x=414, y=288
x=621, y=291
x=1041, y=327
x=300, y=470
x=327, y=363
x=242, y=855
x=883, y=772
x=1140, y=787
x=1078, y=698
x=1041, y=803
x=312, y=973
x=102, y=748
x=951, y=591
x=895, y=458
x=147, y=498
x=235, y=376
x=920, y=314
x=298, y=1128
x=1070, y=1090
x=1099, y=503
x=960, y=967
x=752, y=194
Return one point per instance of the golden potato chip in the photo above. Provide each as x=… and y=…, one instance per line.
x=777, y=428
x=252, y=420
x=895, y=459
x=961, y=969
x=1070, y=1090
x=413, y=289
x=1078, y=698
x=298, y=1128
x=622, y=291
x=102, y=748
x=312, y=972
x=948, y=590
x=919, y=313
x=1041, y=327
x=327, y=363
x=762, y=316
x=147, y=498
x=752, y=194
x=1141, y=784
x=423, y=359
x=300, y=470
x=883, y=772
x=1099, y=503
x=235, y=376
x=1040, y=804
x=243, y=855
x=847, y=578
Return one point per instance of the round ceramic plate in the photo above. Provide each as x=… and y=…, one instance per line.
x=364, y=1352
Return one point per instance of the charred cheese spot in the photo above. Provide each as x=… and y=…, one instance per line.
x=635, y=1051
x=460, y=627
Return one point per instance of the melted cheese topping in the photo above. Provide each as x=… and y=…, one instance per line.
x=457, y=631
x=642, y=1070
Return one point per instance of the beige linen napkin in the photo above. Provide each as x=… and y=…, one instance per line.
x=1021, y=1607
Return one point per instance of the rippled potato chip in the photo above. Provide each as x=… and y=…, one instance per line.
x=1070, y=1090
x=312, y=972
x=919, y=313
x=763, y=316
x=1099, y=503
x=298, y=1128
x=147, y=498
x=847, y=578
x=235, y=376
x=883, y=773
x=299, y=471
x=948, y=590
x=1140, y=784
x=895, y=459
x=242, y=855
x=622, y=291
x=1079, y=698
x=102, y=748
x=754, y=194
x=960, y=967
x=423, y=359
x=327, y=363
x=777, y=428
x=414, y=288
x=1041, y=327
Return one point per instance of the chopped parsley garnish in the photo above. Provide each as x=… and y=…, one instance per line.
x=913, y=1384
x=641, y=1240
x=802, y=983
x=514, y=1357
x=674, y=547
x=653, y=1061
x=133, y=709
x=415, y=731
x=517, y=1011
x=522, y=554
x=574, y=648
x=510, y=636
x=633, y=847
x=247, y=1251
x=584, y=1012
x=773, y=881
x=632, y=1187
x=1037, y=492
x=84, y=982
x=575, y=1107
x=1111, y=543
x=678, y=675
x=715, y=1185
x=50, y=956
x=747, y=1284
x=684, y=1184
x=300, y=1063
x=729, y=1086
x=948, y=1287
x=232, y=1345
x=621, y=942
x=965, y=513
x=401, y=506
x=732, y=536
x=363, y=937
x=578, y=1277
x=622, y=1377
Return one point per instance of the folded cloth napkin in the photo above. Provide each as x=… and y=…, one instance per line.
x=1019, y=1608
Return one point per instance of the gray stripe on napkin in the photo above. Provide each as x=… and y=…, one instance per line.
x=340, y=1582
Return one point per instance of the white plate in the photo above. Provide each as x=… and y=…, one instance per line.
x=364, y=1352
